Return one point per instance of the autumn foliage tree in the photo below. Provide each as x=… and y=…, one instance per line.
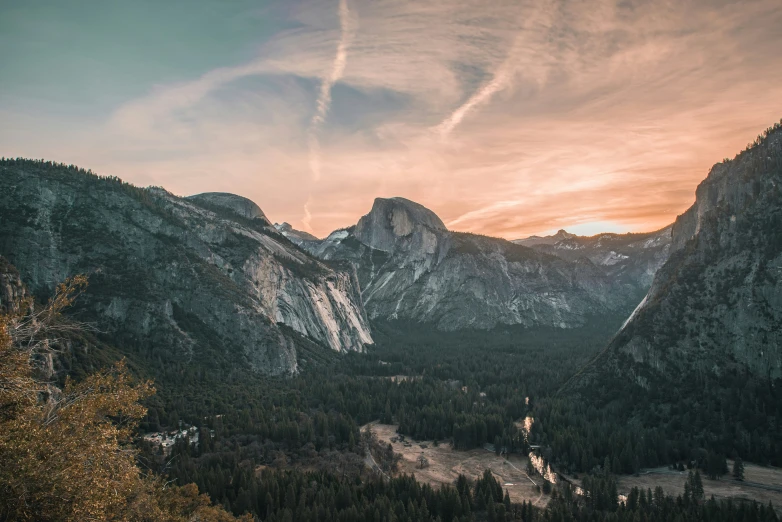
x=66, y=454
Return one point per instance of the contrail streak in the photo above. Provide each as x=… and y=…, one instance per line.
x=498, y=82
x=501, y=79
x=539, y=19
x=307, y=219
x=324, y=98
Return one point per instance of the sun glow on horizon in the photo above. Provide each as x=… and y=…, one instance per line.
x=594, y=228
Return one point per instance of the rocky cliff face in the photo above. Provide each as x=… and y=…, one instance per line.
x=411, y=267
x=717, y=302
x=12, y=290
x=400, y=225
x=633, y=259
x=205, y=274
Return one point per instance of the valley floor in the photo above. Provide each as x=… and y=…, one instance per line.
x=761, y=484
x=446, y=464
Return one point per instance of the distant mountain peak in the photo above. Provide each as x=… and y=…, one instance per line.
x=417, y=213
x=392, y=219
x=561, y=235
x=239, y=205
x=288, y=231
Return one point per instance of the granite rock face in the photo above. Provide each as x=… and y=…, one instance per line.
x=410, y=266
x=12, y=290
x=188, y=274
x=398, y=224
x=716, y=304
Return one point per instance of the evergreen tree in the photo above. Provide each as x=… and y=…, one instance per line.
x=697, y=487
x=738, y=469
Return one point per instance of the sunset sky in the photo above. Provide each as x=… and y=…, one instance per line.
x=506, y=118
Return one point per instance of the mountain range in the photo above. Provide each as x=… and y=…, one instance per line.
x=411, y=267
x=631, y=258
x=210, y=276
x=211, y=270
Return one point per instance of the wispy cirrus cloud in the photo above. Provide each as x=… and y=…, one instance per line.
x=528, y=39
x=324, y=97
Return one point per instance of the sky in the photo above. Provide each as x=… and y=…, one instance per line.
x=505, y=117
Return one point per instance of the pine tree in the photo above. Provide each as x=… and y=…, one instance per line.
x=387, y=418
x=697, y=487
x=491, y=512
x=738, y=469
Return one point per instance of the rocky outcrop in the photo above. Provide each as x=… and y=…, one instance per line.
x=410, y=266
x=397, y=224
x=238, y=205
x=716, y=304
x=12, y=290
x=198, y=277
